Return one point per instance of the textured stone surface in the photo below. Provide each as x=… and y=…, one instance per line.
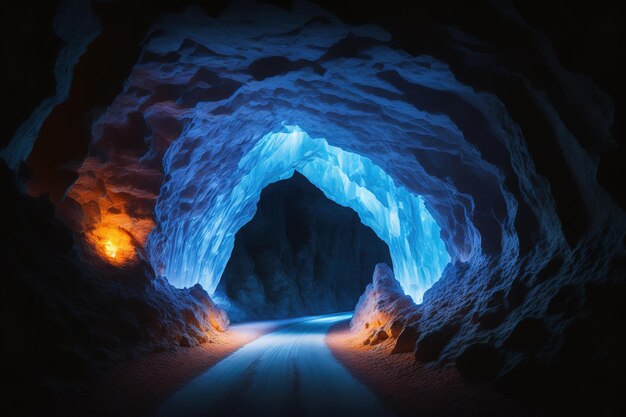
x=70, y=314
x=474, y=106
x=538, y=358
x=431, y=344
x=383, y=305
x=406, y=340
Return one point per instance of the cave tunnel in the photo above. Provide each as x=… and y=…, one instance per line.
x=199, y=253
x=300, y=255
x=305, y=208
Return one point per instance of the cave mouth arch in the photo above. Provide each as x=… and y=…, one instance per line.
x=204, y=239
x=300, y=255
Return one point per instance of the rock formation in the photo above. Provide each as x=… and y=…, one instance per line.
x=300, y=255
x=506, y=118
x=68, y=315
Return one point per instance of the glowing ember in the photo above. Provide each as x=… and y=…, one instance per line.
x=110, y=249
x=113, y=244
x=115, y=221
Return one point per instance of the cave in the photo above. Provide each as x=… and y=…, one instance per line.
x=306, y=208
x=300, y=255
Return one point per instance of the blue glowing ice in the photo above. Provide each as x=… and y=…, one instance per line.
x=397, y=216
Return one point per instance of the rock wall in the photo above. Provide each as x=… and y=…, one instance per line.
x=548, y=338
x=67, y=315
x=506, y=116
x=301, y=254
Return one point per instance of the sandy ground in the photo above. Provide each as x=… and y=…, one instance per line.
x=414, y=389
x=137, y=388
x=288, y=373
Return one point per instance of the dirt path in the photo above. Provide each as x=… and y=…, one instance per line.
x=414, y=389
x=136, y=388
x=287, y=373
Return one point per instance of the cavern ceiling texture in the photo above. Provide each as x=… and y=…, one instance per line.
x=171, y=168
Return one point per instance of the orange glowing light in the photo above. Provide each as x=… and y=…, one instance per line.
x=115, y=220
x=110, y=249
x=113, y=244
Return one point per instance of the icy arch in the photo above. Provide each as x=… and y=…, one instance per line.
x=204, y=243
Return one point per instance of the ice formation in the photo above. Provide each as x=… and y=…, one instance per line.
x=207, y=94
x=397, y=216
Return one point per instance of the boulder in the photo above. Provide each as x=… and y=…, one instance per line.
x=396, y=328
x=407, y=340
x=382, y=303
x=379, y=336
x=432, y=344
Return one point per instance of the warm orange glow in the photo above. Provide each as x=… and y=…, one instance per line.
x=112, y=244
x=116, y=218
x=110, y=249
x=217, y=324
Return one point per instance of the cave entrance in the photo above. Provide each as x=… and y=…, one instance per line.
x=202, y=240
x=301, y=254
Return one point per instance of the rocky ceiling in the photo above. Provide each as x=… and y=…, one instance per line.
x=506, y=118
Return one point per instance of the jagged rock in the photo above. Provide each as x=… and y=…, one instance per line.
x=396, y=328
x=379, y=336
x=406, y=340
x=208, y=310
x=496, y=300
x=519, y=160
x=90, y=313
x=382, y=302
x=430, y=345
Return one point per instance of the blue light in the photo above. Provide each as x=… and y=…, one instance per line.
x=204, y=243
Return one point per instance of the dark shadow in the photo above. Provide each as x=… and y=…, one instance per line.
x=301, y=254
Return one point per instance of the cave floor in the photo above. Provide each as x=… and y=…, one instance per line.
x=136, y=388
x=288, y=372
x=411, y=388
x=307, y=366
